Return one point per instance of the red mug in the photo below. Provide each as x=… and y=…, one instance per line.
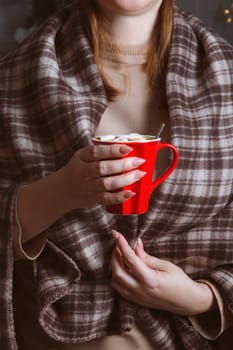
x=147, y=149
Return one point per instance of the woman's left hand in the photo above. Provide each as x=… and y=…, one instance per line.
x=156, y=283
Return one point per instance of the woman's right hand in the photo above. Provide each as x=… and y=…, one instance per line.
x=93, y=172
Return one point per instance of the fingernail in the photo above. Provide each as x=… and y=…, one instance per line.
x=125, y=149
x=139, y=243
x=138, y=246
x=138, y=161
x=129, y=194
x=138, y=174
x=115, y=234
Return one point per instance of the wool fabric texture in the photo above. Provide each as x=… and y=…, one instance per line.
x=51, y=101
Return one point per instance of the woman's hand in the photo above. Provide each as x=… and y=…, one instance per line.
x=87, y=179
x=93, y=172
x=156, y=283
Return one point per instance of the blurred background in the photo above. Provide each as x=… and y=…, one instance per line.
x=19, y=17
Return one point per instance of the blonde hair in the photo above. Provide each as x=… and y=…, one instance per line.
x=156, y=64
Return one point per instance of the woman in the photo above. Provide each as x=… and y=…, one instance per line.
x=102, y=67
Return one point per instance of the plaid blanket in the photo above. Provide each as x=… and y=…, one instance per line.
x=51, y=101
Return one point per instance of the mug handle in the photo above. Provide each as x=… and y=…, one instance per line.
x=172, y=167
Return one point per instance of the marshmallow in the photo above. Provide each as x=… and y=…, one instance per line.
x=106, y=138
x=124, y=138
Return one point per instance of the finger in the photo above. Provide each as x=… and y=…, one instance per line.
x=108, y=167
x=93, y=153
x=117, y=254
x=136, y=266
x=116, y=261
x=126, y=292
x=151, y=261
x=108, y=198
x=121, y=275
x=110, y=183
x=138, y=243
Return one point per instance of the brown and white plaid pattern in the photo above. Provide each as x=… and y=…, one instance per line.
x=51, y=100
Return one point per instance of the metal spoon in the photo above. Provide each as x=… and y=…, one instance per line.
x=161, y=128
